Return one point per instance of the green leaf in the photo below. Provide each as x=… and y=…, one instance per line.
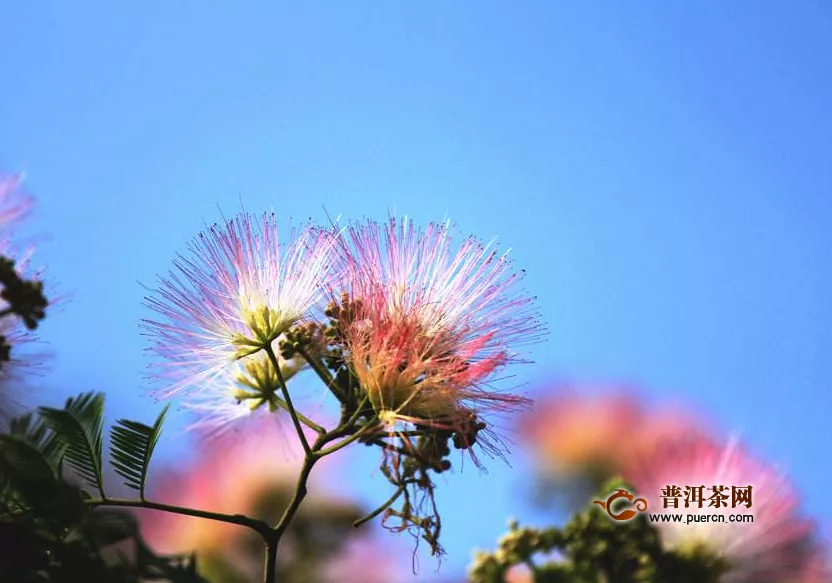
x=132, y=448
x=80, y=426
x=25, y=475
x=36, y=432
x=30, y=488
x=29, y=460
x=19, y=456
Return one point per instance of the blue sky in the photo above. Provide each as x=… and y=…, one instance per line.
x=661, y=171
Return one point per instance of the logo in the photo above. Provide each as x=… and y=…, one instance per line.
x=640, y=505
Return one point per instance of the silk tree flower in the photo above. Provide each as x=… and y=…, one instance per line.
x=414, y=378
x=592, y=431
x=25, y=357
x=574, y=431
x=473, y=293
x=239, y=291
x=247, y=385
x=15, y=205
x=431, y=326
x=771, y=549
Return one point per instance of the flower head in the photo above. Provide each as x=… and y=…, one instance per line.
x=719, y=482
x=16, y=331
x=411, y=377
x=427, y=327
x=238, y=293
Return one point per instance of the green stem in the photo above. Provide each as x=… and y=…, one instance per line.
x=285, y=390
x=399, y=491
x=302, y=418
x=316, y=452
x=300, y=489
x=358, y=411
x=333, y=448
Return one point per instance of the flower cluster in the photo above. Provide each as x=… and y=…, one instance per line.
x=429, y=328
x=772, y=546
x=408, y=332
x=713, y=505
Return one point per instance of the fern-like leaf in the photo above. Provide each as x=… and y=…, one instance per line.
x=80, y=426
x=132, y=445
x=30, y=490
x=36, y=432
x=22, y=468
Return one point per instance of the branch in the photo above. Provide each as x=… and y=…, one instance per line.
x=257, y=525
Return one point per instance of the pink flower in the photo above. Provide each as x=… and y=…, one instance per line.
x=818, y=570
x=15, y=205
x=12, y=327
x=472, y=293
x=411, y=377
x=431, y=326
x=575, y=431
x=519, y=574
x=240, y=290
x=584, y=430
x=365, y=561
x=771, y=548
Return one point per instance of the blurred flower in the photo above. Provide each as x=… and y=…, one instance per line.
x=429, y=327
x=574, y=431
x=240, y=290
x=236, y=475
x=582, y=433
x=519, y=574
x=363, y=561
x=772, y=548
x=818, y=570
x=15, y=205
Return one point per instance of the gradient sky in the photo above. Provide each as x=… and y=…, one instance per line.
x=661, y=171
